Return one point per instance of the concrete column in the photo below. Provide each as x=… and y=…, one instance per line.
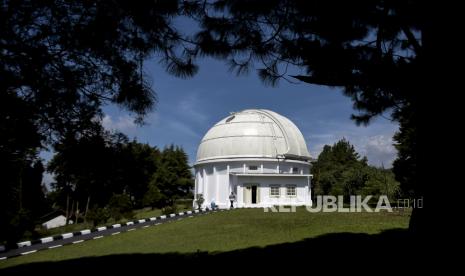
x=217, y=186
x=196, y=185
x=205, y=186
x=229, y=180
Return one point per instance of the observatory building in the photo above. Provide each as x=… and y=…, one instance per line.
x=259, y=156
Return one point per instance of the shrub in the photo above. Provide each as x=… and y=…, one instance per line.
x=173, y=209
x=98, y=215
x=199, y=200
x=120, y=206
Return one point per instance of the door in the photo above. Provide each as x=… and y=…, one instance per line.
x=251, y=194
x=254, y=194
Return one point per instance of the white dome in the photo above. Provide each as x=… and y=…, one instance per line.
x=253, y=133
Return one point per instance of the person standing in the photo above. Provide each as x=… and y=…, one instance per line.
x=232, y=197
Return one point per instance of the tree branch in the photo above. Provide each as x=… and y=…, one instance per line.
x=411, y=38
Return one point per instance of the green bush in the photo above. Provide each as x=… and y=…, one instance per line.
x=199, y=200
x=120, y=206
x=184, y=204
x=21, y=226
x=173, y=209
x=98, y=215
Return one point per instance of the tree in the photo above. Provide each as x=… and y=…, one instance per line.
x=65, y=59
x=141, y=161
x=153, y=196
x=89, y=166
x=96, y=165
x=98, y=215
x=120, y=206
x=173, y=178
x=377, y=51
x=61, y=61
x=22, y=200
x=339, y=170
x=381, y=181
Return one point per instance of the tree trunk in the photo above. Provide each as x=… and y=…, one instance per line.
x=67, y=209
x=77, y=211
x=71, y=212
x=424, y=81
x=87, y=209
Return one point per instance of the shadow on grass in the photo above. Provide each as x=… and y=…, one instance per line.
x=332, y=251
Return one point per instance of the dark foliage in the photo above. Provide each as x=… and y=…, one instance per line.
x=339, y=170
x=60, y=62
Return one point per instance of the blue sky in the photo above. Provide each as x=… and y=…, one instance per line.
x=187, y=108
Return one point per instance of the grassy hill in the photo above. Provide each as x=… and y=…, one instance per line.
x=239, y=232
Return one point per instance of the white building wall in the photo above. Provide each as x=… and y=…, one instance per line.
x=199, y=182
x=222, y=184
x=55, y=222
x=211, y=184
x=216, y=180
x=302, y=192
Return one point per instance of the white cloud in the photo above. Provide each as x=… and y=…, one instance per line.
x=123, y=123
x=373, y=141
x=380, y=150
x=182, y=128
x=190, y=107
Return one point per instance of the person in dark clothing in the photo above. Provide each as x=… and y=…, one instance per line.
x=232, y=197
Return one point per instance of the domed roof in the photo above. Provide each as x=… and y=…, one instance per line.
x=253, y=133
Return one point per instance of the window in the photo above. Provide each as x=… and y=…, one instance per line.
x=274, y=191
x=253, y=168
x=291, y=191
x=230, y=119
x=295, y=170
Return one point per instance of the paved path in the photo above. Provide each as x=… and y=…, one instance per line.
x=84, y=235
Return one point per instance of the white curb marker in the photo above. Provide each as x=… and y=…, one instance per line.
x=98, y=237
x=79, y=241
x=55, y=246
x=22, y=244
x=28, y=252
x=116, y=233
x=45, y=240
x=67, y=235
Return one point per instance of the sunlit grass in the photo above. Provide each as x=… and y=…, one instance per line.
x=224, y=231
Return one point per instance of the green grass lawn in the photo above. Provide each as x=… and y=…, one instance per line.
x=223, y=231
x=138, y=214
